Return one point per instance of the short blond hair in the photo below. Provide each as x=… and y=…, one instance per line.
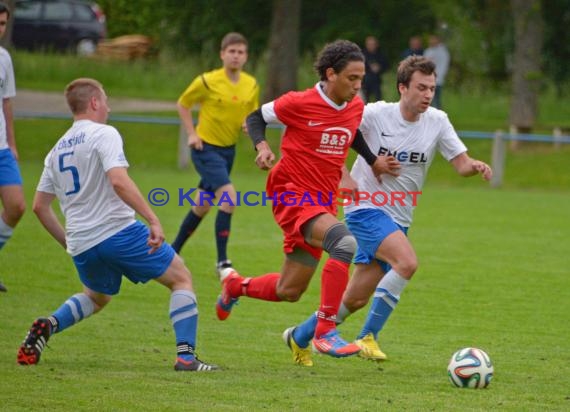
x=80, y=91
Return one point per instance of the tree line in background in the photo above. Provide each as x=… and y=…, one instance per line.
x=479, y=33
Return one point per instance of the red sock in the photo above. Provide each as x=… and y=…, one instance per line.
x=261, y=287
x=333, y=283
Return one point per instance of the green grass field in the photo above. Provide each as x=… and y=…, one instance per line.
x=493, y=274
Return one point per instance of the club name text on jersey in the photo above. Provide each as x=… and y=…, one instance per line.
x=403, y=156
x=72, y=141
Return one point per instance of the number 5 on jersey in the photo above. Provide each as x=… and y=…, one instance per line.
x=72, y=169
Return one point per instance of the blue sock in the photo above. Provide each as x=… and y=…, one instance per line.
x=73, y=310
x=386, y=298
x=188, y=226
x=184, y=317
x=305, y=331
x=382, y=306
x=223, y=224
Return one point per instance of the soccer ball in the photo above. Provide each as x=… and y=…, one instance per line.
x=470, y=368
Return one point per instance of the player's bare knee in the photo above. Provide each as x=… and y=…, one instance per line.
x=14, y=212
x=407, y=267
x=354, y=303
x=227, y=208
x=289, y=294
x=17, y=211
x=339, y=243
x=180, y=279
x=99, y=301
x=201, y=209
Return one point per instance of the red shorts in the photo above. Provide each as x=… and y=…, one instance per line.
x=291, y=211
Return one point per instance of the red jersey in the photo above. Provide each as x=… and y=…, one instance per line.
x=317, y=139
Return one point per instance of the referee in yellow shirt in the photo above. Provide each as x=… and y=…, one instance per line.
x=226, y=96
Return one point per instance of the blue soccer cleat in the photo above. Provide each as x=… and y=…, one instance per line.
x=333, y=345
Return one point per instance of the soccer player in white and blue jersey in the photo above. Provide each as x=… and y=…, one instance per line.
x=408, y=133
x=86, y=171
x=11, y=193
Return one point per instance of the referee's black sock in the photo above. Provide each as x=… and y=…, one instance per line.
x=188, y=226
x=223, y=224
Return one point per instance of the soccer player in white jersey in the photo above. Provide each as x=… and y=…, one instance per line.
x=11, y=193
x=86, y=171
x=409, y=133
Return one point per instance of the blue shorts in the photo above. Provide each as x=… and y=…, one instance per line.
x=125, y=253
x=9, y=170
x=213, y=164
x=370, y=227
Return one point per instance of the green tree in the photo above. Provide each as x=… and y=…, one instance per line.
x=527, y=72
x=283, y=55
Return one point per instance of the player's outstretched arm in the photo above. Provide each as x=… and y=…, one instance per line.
x=128, y=191
x=43, y=210
x=467, y=166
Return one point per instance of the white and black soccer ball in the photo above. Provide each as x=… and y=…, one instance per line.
x=470, y=368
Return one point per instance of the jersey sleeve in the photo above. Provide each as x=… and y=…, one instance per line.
x=194, y=93
x=10, y=80
x=46, y=182
x=449, y=144
x=369, y=126
x=268, y=113
x=110, y=149
x=286, y=108
x=367, y=120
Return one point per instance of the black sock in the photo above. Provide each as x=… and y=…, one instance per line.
x=188, y=226
x=223, y=223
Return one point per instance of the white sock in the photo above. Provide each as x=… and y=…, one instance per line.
x=5, y=232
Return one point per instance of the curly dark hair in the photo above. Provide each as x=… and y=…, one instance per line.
x=337, y=55
x=410, y=65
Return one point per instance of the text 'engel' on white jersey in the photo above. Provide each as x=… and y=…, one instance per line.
x=413, y=144
x=75, y=171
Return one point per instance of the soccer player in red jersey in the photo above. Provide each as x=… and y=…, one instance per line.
x=321, y=125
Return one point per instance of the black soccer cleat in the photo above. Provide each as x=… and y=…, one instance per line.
x=36, y=340
x=3, y=288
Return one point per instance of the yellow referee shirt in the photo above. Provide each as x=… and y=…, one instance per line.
x=223, y=105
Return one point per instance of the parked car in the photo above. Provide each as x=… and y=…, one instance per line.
x=60, y=25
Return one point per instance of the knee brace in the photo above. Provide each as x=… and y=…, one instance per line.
x=339, y=243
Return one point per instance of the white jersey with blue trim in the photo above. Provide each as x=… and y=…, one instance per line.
x=75, y=171
x=7, y=90
x=413, y=144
